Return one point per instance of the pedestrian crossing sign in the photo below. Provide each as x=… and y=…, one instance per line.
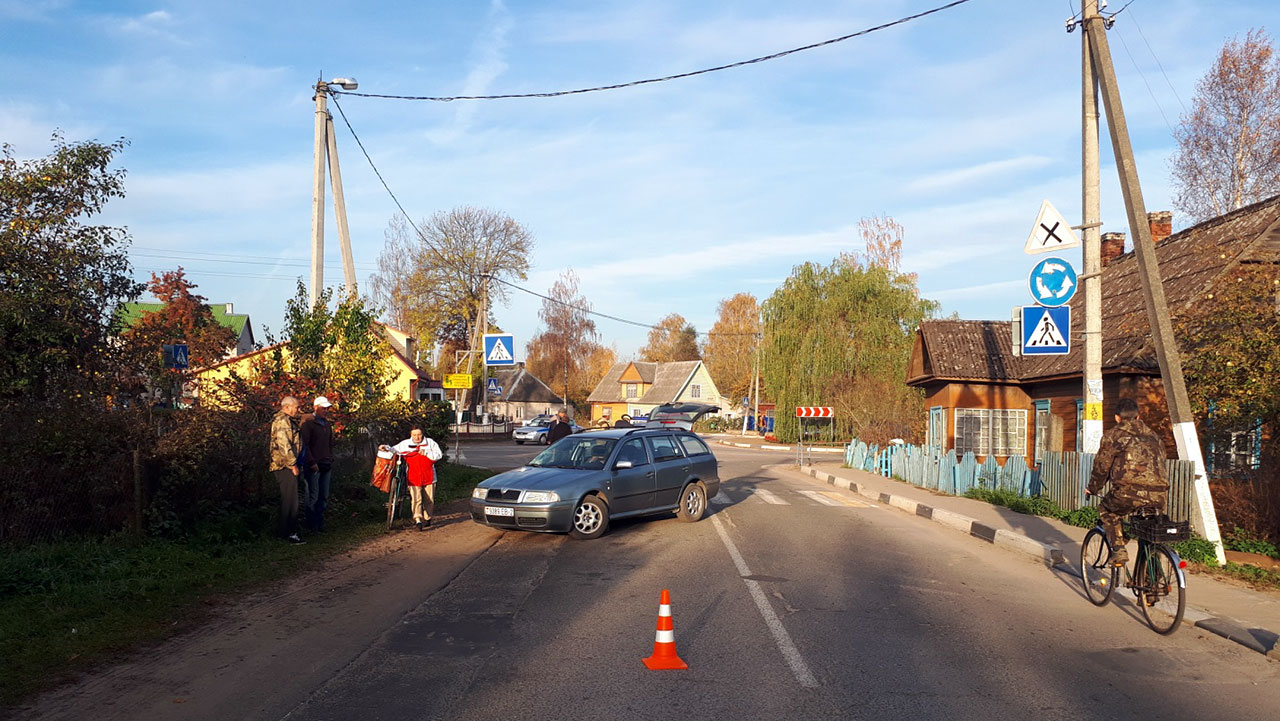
x=499, y=349
x=1046, y=331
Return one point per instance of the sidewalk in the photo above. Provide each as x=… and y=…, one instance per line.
x=1246, y=616
x=754, y=440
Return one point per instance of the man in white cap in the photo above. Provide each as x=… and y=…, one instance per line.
x=317, y=440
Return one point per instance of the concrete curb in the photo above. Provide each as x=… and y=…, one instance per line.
x=770, y=447
x=1260, y=640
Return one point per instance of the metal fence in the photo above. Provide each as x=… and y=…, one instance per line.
x=1061, y=477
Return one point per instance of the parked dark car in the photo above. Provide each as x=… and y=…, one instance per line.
x=582, y=482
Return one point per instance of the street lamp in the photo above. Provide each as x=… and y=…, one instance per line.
x=327, y=147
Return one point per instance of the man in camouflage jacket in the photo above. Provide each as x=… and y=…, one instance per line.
x=286, y=447
x=1131, y=457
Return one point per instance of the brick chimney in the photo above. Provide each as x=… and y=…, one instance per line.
x=1161, y=222
x=1112, y=247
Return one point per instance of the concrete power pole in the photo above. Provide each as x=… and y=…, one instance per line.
x=325, y=152
x=1090, y=227
x=1204, y=518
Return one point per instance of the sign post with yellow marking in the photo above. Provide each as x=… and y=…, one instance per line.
x=459, y=381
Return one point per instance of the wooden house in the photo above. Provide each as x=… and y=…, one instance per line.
x=637, y=387
x=981, y=397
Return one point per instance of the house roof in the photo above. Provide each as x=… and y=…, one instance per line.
x=520, y=386
x=966, y=350
x=667, y=381
x=130, y=313
x=1190, y=262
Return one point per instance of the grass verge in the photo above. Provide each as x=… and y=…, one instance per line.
x=69, y=604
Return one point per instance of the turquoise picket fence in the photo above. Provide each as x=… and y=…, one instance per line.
x=1062, y=477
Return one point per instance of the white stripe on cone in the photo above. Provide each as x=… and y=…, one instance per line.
x=666, y=637
x=664, y=610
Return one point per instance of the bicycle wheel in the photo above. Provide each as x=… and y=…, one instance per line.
x=1163, y=599
x=1096, y=571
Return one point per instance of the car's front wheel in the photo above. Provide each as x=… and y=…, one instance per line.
x=693, y=503
x=542, y=439
x=590, y=519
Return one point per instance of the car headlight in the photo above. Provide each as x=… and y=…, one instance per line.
x=479, y=492
x=540, y=497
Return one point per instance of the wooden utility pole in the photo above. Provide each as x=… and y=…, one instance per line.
x=1091, y=416
x=325, y=152
x=1204, y=518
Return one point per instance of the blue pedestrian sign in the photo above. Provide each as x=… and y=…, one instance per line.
x=499, y=349
x=1046, y=331
x=1052, y=282
x=494, y=387
x=176, y=356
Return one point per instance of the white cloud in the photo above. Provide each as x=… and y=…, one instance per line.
x=951, y=179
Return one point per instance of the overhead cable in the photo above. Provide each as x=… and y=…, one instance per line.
x=679, y=76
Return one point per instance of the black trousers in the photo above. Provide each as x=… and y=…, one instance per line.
x=287, y=519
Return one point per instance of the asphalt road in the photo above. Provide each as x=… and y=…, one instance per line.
x=792, y=600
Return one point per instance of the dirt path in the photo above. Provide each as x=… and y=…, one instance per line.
x=260, y=657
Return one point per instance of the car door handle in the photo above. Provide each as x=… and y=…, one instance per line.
x=686, y=469
x=649, y=474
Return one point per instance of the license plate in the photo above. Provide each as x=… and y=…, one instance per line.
x=499, y=511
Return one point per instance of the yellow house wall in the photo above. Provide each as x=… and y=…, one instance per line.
x=400, y=387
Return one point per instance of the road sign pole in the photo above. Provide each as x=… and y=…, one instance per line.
x=1091, y=418
x=1175, y=388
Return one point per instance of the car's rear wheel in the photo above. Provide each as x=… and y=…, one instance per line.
x=590, y=519
x=693, y=503
x=542, y=439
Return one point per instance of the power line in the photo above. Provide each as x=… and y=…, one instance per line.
x=1158, y=63
x=679, y=76
x=279, y=263
x=1144, y=80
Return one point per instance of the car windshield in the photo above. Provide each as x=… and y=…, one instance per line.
x=589, y=454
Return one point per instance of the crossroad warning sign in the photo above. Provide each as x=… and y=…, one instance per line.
x=1046, y=331
x=1051, y=232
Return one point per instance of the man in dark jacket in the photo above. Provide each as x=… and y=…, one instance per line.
x=1131, y=457
x=623, y=422
x=317, y=439
x=560, y=427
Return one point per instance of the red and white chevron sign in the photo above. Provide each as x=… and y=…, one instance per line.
x=814, y=412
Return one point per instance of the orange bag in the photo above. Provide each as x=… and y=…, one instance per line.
x=383, y=467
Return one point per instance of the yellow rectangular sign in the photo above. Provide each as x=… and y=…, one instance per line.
x=1093, y=411
x=457, y=380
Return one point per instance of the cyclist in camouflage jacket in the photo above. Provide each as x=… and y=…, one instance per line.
x=1131, y=457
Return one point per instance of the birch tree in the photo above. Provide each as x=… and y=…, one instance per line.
x=1229, y=143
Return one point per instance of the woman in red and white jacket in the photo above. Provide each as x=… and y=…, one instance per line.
x=420, y=454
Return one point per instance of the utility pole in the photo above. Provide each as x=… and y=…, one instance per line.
x=325, y=151
x=1091, y=419
x=1204, y=519
x=484, y=325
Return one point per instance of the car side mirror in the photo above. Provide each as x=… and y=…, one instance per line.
x=622, y=464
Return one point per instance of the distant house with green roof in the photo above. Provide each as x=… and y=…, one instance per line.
x=223, y=313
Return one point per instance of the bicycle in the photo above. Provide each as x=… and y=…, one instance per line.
x=1158, y=580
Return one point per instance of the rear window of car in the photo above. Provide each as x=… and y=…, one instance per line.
x=693, y=446
x=664, y=448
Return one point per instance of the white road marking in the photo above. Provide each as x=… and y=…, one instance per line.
x=780, y=635
x=768, y=497
x=820, y=498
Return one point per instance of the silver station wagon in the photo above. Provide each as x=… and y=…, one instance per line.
x=582, y=482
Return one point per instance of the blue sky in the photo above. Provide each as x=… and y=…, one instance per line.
x=664, y=198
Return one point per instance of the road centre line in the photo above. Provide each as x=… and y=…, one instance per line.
x=780, y=636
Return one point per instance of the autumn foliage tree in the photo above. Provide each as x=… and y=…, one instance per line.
x=672, y=339
x=566, y=354
x=184, y=318
x=730, y=348
x=431, y=278
x=1229, y=142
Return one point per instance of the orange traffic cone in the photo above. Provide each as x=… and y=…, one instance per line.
x=664, y=645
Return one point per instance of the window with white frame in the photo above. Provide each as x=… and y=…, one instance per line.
x=991, y=431
x=631, y=390
x=695, y=391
